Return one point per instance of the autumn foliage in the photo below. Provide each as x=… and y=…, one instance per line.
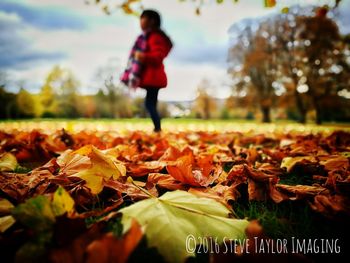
x=69, y=189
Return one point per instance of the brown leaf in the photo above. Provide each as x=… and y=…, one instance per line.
x=301, y=191
x=200, y=172
x=131, y=189
x=111, y=249
x=331, y=205
x=337, y=162
x=142, y=169
x=71, y=163
x=220, y=193
x=74, y=251
x=164, y=181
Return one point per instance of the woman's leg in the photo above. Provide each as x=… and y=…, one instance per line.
x=151, y=106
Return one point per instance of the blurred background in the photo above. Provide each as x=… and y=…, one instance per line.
x=253, y=59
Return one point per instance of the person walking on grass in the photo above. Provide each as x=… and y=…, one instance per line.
x=145, y=67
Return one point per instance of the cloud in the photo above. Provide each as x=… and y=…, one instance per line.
x=44, y=17
x=16, y=50
x=82, y=38
x=203, y=53
x=343, y=17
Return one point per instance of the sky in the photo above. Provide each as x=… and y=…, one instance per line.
x=36, y=35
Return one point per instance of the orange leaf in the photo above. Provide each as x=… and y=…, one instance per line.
x=111, y=249
x=165, y=181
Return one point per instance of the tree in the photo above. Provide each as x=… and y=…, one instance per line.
x=87, y=106
x=297, y=55
x=8, y=107
x=117, y=95
x=7, y=99
x=138, y=107
x=102, y=109
x=132, y=7
x=253, y=60
x=25, y=103
x=204, y=104
x=48, y=101
x=59, y=93
x=323, y=56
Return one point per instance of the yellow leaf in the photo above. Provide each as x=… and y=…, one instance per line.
x=93, y=181
x=6, y=222
x=285, y=10
x=62, y=202
x=8, y=162
x=127, y=9
x=270, y=3
x=72, y=163
x=5, y=206
x=103, y=166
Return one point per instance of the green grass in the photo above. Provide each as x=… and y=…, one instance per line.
x=182, y=124
x=285, y=220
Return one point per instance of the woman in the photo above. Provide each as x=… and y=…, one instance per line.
x=145, y=67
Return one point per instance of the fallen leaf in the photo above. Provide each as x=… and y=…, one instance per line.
x=331, y=205
x=71, y=163
x=195, y=172
x=290, y=162
x=164, y=181
x=144, y=168
x=6, y=222
x=220, y=193
x=163, y=217
x=5, y=207
x=301, y=191
x=8, y=162
x=112, y=249
x=131, y=189
x=103, y=167
x=62, y=202
x=331, y=163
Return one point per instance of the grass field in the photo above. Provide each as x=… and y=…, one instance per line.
x=169, y=125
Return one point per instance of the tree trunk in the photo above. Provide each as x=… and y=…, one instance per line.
x=318, y=110
x=318, y=114
x=301, y=108
x=206, y=109
x=266, y=113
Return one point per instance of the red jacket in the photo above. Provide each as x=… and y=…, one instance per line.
x=158, y=47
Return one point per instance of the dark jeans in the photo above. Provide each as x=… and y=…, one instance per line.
x=151, y=106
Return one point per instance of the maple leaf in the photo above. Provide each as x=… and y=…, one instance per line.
x=132, y=189
x=7, y=220
x=197, y=172
x=337, y=162
x=62, y=202
x=301, y=191
x=93, y=166
x=165, y=181
x=197, y=216
x=71, y=163
x=112, y=249
x=144, y=168
x=8, y=162
x=331, y=205
x=290, y=162
x=219, y=192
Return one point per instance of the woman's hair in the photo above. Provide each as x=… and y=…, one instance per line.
x=155, y=16
x=152, y=15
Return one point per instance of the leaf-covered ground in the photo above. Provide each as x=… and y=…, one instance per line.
x=134, y=196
